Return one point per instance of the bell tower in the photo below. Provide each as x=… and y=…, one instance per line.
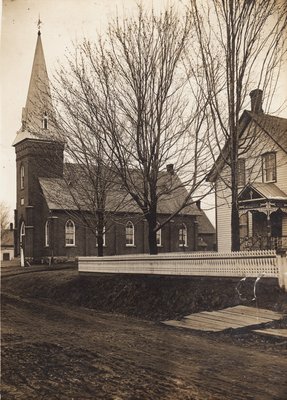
x=39, y=153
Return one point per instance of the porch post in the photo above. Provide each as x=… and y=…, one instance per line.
x=268, y=226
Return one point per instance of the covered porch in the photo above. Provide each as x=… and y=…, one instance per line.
x=263, y=217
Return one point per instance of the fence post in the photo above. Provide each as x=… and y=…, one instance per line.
x=282, y=265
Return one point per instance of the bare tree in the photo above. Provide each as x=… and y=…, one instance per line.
x=242, y=45
x=135, y=89
x=92, y=191
x=4, y=216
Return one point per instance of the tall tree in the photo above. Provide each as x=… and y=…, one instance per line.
x=130, y=95
x=242, y=45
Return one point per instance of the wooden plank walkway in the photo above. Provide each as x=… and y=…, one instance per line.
x=273, y=332
x=232, y=317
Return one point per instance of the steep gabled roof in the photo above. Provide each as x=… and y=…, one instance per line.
x=63, y=194
x=7, y=239
x=274, y=127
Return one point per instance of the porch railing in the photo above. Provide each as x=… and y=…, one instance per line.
x=261, y=242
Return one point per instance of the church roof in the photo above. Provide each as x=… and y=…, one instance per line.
x=73, y=195
x=204, y=224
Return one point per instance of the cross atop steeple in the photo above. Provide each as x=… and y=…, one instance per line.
x=39, y=25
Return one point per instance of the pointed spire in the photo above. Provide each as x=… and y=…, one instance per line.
x=38, y=102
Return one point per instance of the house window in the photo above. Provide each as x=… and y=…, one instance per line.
x=130, y=234
x=158, y=237
x=47, y=234
x=22, y=176
x=22, y=201
x=269, y=167
x=45, y=121
x=241, y=172
x=70, y=233
x=182, y=235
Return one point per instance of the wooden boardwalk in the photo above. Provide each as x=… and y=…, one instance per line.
x=232, y=317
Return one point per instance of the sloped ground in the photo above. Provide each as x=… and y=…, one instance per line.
x=148, y=297
x=66, y=336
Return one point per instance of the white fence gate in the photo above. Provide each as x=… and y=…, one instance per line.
x=264, y=263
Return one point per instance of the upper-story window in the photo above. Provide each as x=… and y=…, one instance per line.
x=269, y=167
x=47, y=233
x=130, y=234
x=45, y=121
x=182, y=235
x=22, y=176
x=241, y=172
x=70, y=233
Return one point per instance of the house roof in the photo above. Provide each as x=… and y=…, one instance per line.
x=259, y=190
x=66, y=194
x=274, y=127
x=7, y=239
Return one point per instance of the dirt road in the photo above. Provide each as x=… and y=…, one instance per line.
x=58, y=351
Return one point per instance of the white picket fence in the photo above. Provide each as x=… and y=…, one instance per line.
x=264, y=263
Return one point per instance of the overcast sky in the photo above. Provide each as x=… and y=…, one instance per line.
x=63, y=21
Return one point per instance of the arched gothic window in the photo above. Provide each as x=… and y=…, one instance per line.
x=104, y=237
x=130, y=234
x=47, y=233
x=22, y=176
x=158, y=237
x=22, y=232
x=70, y=233
x=182, y=235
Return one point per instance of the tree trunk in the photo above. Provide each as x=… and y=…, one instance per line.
x=151, y=219
x=100, y=233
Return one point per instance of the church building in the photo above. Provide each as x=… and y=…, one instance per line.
x=47, y=228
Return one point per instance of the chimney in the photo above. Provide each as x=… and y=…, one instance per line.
x=256, y=96
x=198, y=204
x=11, y=226
x=170, y=169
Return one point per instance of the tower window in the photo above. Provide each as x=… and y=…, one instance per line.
x=182, y=235
x=130, y=234
x=45, y=121
x=70, y=233
x=22, y=176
